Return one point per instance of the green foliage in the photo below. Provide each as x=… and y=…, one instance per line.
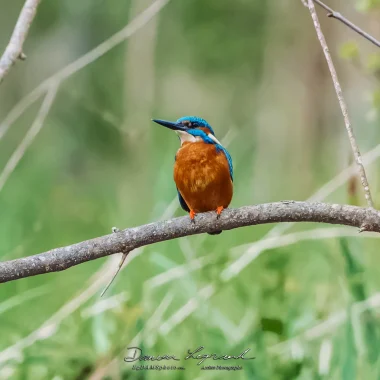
x=349, y=50
x=376, y=99
x=368, y=5
x=98, y=162
x=374, y=63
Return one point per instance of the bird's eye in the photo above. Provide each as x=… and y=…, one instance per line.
x=189, y=124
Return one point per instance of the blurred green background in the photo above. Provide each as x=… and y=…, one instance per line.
x=303, y=298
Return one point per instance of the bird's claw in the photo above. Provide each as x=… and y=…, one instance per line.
x=219, y=211
x=192, y=216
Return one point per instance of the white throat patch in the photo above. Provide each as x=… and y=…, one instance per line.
x=187, y=137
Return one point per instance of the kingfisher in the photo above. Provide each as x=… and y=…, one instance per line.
x=203, y=171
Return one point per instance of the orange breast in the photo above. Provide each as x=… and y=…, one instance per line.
x=202, y=176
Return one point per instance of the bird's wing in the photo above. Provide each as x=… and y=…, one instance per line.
x=220, y=148
x=182, y=202
x=211, y=139
x=229, y=159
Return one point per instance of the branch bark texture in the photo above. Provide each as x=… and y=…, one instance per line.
x=14, y=49
x=342, y=103
x=338, y=16
x=59, y=259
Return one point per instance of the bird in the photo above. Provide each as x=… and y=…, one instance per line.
x=203, y=170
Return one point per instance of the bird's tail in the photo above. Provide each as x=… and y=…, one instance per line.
x=215, y=233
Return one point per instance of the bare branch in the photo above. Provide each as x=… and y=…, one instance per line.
x=342, y=103
x=125, y=241
x=341, y=18
x=30, y=135
x=14, y=49
x=131, y=28
x=123, y=257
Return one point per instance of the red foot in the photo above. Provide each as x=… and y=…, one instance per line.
x=219, y=211
x=192, y=216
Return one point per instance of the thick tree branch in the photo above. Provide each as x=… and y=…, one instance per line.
x=342, y=103
x=14, y=49
x=59, y=259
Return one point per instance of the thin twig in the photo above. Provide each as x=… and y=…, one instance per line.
x=267, y=244
x=190, y=307
x=169, y=212
x=123, y=257
x=327, y=326
x=328, y=188
x=254, y=250
x=127, y=240
x=315, y=332
x=342, y=103
x=209, y=290
x=131, y=28
x=30, y=136
x=14, y=49
x=51, y=325
x=341, y=18
x=246, y=253
x=83, y=295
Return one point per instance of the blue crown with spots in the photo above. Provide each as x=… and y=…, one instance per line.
x=197, y=122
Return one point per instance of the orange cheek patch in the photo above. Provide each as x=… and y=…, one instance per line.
x=205, y=130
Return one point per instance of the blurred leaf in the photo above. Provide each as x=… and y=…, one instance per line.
x=354, y=270
x=355, y=278
x=234, y=63
x=272, y=325
x=100, y=330
x=349, y=50
x=376, y=98
x=162, y=261
x=367, y=5
x=349, y=353
x=374, y=63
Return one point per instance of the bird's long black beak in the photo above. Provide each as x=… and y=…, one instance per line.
x=170, y=125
